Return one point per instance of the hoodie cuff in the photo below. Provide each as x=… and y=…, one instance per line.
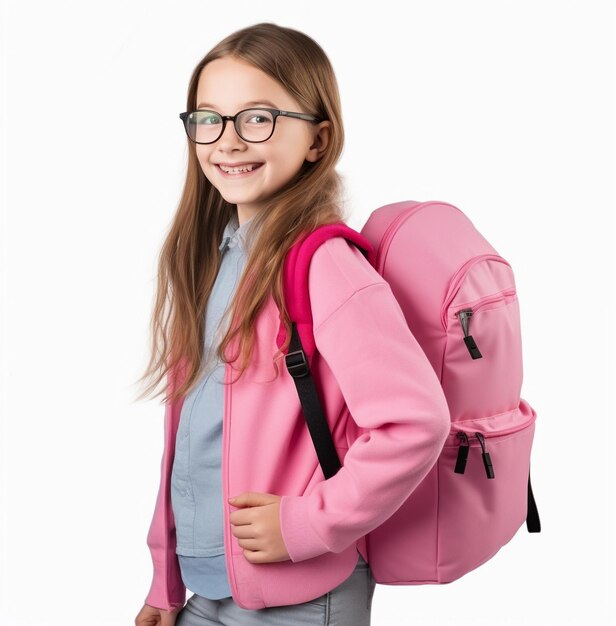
x=164, y=593
x=298, y=535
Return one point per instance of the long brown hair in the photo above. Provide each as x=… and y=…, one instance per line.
x=189, y=259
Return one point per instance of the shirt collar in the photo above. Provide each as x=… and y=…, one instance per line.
x=234, y=234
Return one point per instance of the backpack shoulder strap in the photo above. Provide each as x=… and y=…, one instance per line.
x=302, y=344
x=295, y=277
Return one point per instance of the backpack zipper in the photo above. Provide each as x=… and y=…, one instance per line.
x=464, y=316
x=459, y=276
x=489, y=300
x=463, y=454
x=485, y=455
x=464, y=445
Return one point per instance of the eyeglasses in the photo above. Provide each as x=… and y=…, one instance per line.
x=252, y=125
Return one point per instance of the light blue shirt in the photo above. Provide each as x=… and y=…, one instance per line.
x=196, y=478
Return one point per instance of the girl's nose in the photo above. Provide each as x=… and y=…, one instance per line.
x=229, y=139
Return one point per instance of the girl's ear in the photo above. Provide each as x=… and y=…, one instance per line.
x=321, y=139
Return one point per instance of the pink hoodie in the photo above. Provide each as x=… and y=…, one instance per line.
x=389, y=419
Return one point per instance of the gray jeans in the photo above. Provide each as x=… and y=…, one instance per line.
x=348, y=604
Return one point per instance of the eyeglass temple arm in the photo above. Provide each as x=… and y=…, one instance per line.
x=301, y=116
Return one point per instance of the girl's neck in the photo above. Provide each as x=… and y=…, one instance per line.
x=244, y=215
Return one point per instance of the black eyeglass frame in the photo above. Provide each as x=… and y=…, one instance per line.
x=225, y=118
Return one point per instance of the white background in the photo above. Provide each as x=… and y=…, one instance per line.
x=505, y=109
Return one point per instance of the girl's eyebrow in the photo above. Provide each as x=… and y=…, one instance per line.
x=246, y=104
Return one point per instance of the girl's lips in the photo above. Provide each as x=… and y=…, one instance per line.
x=242, y=175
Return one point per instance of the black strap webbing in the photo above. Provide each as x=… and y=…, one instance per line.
x=313, y=412
x=533, y=523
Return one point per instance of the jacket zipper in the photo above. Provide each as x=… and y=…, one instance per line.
x=225, y=483
x=464, y=316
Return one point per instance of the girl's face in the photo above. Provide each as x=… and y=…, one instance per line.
x=228, y=85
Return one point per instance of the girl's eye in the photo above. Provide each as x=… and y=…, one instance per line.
x=260, y=119
x=210, y=119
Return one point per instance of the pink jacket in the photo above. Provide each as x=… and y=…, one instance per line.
x=389, y=420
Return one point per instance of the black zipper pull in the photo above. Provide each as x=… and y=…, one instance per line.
x=462, y=453
x=464, y=316
x=487, y=462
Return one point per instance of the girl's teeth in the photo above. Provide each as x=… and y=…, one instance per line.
x=237, y=170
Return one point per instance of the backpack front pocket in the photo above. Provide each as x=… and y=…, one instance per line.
x=483, y=480
x=482, y=361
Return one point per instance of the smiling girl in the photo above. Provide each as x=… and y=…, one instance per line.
x=244, y=517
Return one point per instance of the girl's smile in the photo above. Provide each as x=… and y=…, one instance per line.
x=238, y=171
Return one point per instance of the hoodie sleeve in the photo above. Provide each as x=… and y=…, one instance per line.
x=390, y=389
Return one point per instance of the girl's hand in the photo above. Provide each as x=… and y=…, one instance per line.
x=258, y=527
x=151, y=616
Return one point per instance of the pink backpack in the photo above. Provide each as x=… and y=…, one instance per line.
x=459, y=299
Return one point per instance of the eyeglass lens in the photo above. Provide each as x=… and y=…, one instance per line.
x=252, y=125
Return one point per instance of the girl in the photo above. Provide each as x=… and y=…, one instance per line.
x=244, y=517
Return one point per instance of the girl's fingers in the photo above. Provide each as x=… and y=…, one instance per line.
x=151, y=616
